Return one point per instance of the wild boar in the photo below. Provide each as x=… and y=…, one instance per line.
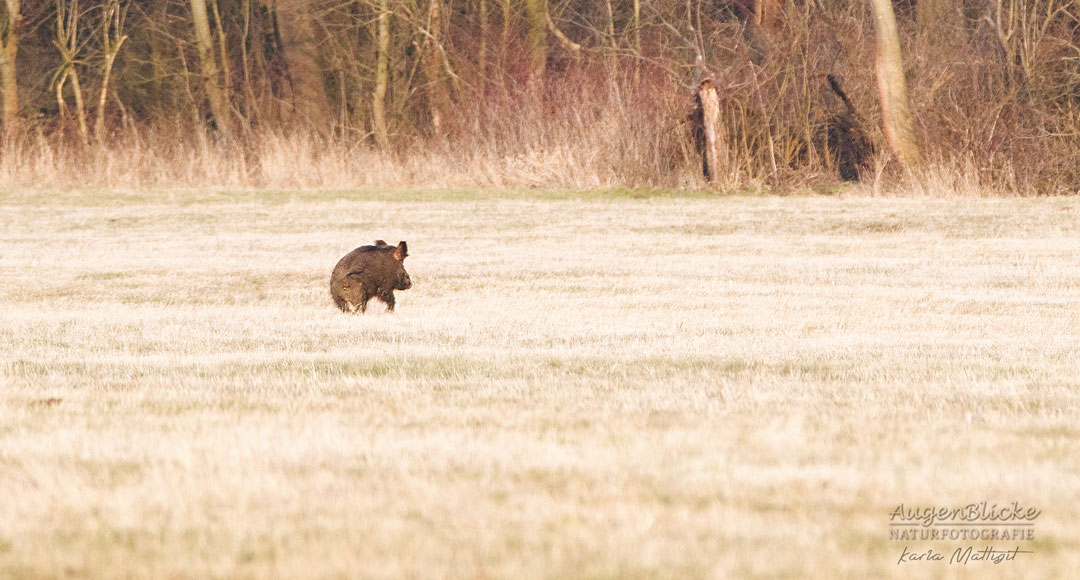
x=370, y=272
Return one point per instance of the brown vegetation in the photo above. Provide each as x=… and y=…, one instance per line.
x=476, y=94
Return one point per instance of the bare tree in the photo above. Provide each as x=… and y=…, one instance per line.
x=432, y=57
x=635, y=26
x=382, y=75
x=9, y=85
x=892, y=87
x=204, y=42
x=113, y=16
x=295, y=22
x=761, y=22
x=67, y=42
x=226, y=82
x=482, y=50
x=536, y=31
x=249, y=100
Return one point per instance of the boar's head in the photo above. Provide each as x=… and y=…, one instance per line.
x=401, y=277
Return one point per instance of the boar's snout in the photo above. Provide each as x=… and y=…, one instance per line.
x=403, y=282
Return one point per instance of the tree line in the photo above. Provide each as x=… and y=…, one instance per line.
x=993, y=81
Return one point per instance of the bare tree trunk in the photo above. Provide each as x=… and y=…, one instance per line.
x=226, y=83
x=481, y=56
x=1016, y=29
x=250, y=102
x=761, y=24
x=80, y=107
x=9, y=85
x=113, y=38
x=67, y=41
x=899, y=125
x=196, y=118
x=382, y=75
x=536, y=37
x=437, y=101
x=613, y=58
x=506, y=26
x=219, y=106
x=636, y=23
x=310, y=103
x=343, y=104
x=158, y=37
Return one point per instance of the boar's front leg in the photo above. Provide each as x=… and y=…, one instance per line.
x=388, y=298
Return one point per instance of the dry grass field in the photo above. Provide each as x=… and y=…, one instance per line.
x=577, y=385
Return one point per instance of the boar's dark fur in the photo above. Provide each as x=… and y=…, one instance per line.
x=370, y=272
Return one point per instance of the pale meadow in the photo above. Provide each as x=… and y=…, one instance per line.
x=593, y=385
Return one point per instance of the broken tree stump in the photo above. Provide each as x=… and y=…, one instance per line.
x=708, y=137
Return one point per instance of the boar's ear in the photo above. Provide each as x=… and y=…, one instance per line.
x=401, y=252
x=381, y=243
